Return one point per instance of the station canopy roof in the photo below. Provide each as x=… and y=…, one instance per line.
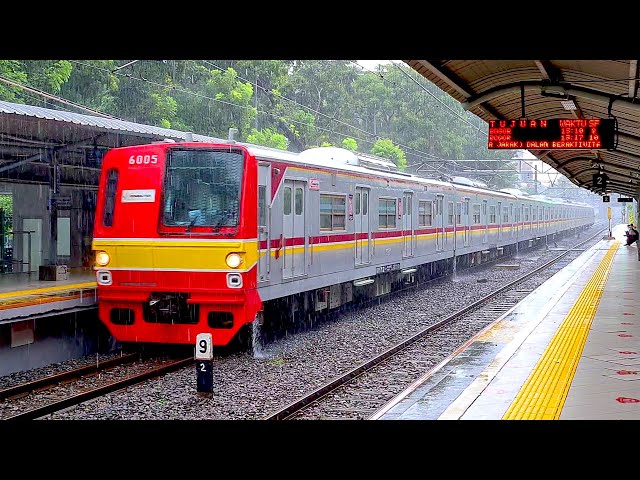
x=542, y=89
x=30, y=138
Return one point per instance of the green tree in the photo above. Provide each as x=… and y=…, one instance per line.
x=386, y=149
x=322, y=89
x=268, y=138
x=48, y=75
x=93, y=85
x=350, y=144
x=218, y=101
x=6, y=203
x=310, y=102
x=12, y=70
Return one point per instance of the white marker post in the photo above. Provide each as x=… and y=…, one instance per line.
x=204, y=364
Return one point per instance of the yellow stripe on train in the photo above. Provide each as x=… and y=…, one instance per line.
x=187, y=255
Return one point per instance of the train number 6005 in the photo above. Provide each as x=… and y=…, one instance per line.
x=143, y=159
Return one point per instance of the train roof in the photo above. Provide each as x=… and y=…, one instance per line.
x=343, y=159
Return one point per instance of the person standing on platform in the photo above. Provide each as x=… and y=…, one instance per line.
x=632, y=235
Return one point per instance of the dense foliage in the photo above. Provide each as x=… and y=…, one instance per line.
x=297, y=104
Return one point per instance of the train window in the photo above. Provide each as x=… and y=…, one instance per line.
x=365, y=203
x=358, y=203
x=387, y=213
x=492, y=214
x=449, y=213
x=299, y=201
x=425, y=213
x=458, y=214
x=505, y=214
x=287, y=201
x=110, y=197
x=332, y=212
x=476, y=214
x=204, y=187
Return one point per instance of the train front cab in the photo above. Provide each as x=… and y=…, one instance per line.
x=175, y=242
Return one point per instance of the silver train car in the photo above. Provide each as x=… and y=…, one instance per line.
x=211, y=238
x=334, y=226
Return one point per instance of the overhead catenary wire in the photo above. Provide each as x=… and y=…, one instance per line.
x=413, y=150
x=438, y=100
x=55, y=98
x=199, y=95
x=182, y=90
x=333, y=119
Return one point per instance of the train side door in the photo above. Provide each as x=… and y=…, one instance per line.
x=264, y=221
x=294, y=241
x=458, y=229
x=362, y=226
x=439, y=223
x=407, y=224
x=499, y=219
x=485, y=223
x=540, y=218
x=512, y=217
x=521, y=220
x=466, y=223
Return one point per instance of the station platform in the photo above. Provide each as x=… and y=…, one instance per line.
x=24, y=296
x=569, y=351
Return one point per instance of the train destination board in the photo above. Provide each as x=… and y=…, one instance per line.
x=552, y=134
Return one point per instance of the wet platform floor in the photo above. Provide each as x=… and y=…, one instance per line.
x=569, y=350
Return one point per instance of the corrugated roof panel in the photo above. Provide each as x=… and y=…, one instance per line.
x=99, y=122
x=599, y=89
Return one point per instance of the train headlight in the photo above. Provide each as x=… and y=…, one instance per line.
x=234, y=260
x=102, y=259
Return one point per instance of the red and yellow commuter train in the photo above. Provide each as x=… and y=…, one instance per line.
x=196, y=237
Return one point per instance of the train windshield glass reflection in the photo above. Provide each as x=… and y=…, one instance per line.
x=202, y=188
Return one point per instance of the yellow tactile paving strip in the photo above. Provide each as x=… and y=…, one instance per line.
x=543, y=394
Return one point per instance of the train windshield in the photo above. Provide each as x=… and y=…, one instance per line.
x=202, y=188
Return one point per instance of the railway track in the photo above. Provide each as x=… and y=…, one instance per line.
x=58, y=392
x=361, y=391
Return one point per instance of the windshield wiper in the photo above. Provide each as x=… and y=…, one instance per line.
x=193, y=221
x=222, y=221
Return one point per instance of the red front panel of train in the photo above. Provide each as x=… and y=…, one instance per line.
x=176, y=226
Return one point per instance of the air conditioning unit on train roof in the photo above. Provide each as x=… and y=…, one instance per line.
x=376, y=163
x=325, y=155
x=514, y=191
x=468, y=182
